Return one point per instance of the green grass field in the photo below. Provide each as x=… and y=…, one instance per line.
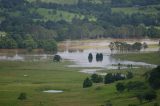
x=59, y=1
x=131, y=10
x=68, y=1
x=57, y=15
x=152, y=58
x=47, y=75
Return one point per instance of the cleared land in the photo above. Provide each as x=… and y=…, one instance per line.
x=152, y=58
x=47, y=75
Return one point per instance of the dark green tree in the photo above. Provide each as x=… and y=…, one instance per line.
x=108, y=78
x=57, y=58
x=120, y=87
x=154, y=78
x=96, y=78
x=87, y=83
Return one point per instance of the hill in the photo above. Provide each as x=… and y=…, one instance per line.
x=39, y=20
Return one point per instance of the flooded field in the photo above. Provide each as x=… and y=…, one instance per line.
x=78, y=51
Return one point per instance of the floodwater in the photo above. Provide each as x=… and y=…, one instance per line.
x=53, y=91
x=73, y=51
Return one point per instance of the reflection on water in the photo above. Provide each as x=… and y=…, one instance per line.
x=87, y=58
x=25, y=57
x=81, y=59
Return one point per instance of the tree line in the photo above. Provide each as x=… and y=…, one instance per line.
x=26, y=29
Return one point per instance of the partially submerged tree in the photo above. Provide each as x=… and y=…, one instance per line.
x=57, y=58
x=90, y=57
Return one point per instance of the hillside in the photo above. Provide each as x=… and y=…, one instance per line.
x=39, y=20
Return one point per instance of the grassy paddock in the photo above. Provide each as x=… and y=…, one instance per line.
x=152, y=58
x=49, y=75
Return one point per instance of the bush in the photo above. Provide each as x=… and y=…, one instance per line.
x=129, y=75
x=96, y=78
x=150, y=95
x=120, y=87
x=147, y=95
x=57, y=58
x=154, y=78
x=136, y=85
x=87, y=83
x=108, y=78
x=22, y=96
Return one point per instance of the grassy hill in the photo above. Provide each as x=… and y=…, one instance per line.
x=58, y=1
x=57, y=15
x=130, y=10
x=70, y=1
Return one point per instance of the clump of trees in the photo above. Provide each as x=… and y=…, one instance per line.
x=96, y=78
x=110, y=78
x=99, y=57
x=148, y=95
x=125, y=47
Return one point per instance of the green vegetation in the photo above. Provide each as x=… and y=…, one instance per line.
x=132, y=10
x=87, y=83
x=152, y=58
x=58, y=1
x=75, y=19
x=48, y=75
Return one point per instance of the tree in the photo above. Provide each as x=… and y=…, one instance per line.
x=50, y=46
x=135, y=85
x=57, y=58
x=22, y=96
x=108, y=78
x=90, y=57
x=129, y=75
x=29, y=42
x=120, y=87
x=150, y=95
x=87, y=83
x=154, y=78
x=137, y=46
x=96, y=78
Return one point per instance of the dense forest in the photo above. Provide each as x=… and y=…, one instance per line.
x=38, y=24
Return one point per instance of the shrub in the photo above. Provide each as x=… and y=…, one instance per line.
x=154, y=78
x=57, y=58
x=150, y=95
x=108, y=78
x=136, y=85
x=22, y=96
x=120, y=87
x=96, y=78
x=129, y=75
x=87, y=83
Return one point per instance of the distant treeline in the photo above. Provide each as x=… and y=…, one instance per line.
x=18, y=24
